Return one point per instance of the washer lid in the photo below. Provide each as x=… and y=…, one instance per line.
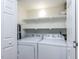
x=53, y=42
x=30, y=40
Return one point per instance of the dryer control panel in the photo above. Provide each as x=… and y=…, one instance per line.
x=53, y=37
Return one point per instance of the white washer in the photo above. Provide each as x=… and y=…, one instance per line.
x=53, y=46
x=27, y=47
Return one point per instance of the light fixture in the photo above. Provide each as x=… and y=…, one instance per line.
x=42, y=13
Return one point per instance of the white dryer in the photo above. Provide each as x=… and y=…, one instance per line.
x=27, y=47
x=53, y=46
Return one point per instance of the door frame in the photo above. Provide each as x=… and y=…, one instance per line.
x=76, y=27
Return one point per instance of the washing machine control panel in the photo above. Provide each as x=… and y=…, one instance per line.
x=33, y=35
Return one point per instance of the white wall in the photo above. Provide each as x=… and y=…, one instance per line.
x=51, y=11
x=23, y=13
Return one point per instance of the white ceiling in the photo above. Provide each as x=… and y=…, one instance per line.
x=36, y=4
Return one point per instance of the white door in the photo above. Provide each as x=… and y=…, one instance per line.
x=10, y=53
x=9, y=20
x=8, y=29
x=71, y=33
x=26, y=52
